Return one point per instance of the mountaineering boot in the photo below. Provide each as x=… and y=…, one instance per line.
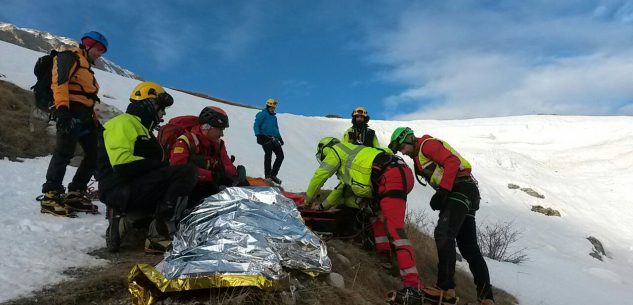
x=156, y=246
x=435, y=295
x=275, y=179
x=51, y=203
x=78, y=201
x=406, y=296
x=157, y=241
x=487, y=302
x=115, y=231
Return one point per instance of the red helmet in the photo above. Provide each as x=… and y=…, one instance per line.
x=214, y=116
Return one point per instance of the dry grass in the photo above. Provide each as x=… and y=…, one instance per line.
x=365, y=281
x=16, y=140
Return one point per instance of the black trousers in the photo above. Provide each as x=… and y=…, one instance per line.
x=154, y=191
x=86, y=135
x=457, y=223
x=269, y=148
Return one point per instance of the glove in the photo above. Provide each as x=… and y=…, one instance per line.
x=439, y=199
x=261, y=139
x=65, y=122
x=281, y=141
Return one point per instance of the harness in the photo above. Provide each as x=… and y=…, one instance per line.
x=381, y=164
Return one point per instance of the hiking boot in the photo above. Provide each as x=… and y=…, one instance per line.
x=275, y=179
x=157, y=246
x=51, y=203
x=78, y=201
x=487, y=302
x=115, y=232
x=435, y=295
x=406, y=296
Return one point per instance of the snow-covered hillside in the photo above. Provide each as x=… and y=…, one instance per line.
x=582, y=165
x=44, y=42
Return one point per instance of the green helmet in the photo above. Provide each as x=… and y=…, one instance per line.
x=399, y=136
x=325, y=142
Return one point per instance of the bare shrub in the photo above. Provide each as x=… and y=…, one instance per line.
x=421, y=220
x=497, y=241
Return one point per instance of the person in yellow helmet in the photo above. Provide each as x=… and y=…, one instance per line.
x=134, y=173
x=360, y=133
x=374, y=174
x=267, y=132
x=75, y=90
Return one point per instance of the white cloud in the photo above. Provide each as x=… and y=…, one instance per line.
x=461, y=61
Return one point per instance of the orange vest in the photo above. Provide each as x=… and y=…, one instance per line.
x=80, y=87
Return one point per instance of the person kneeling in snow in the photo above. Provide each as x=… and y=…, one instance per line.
x=370, y=173
x=203, y=146
x=133, y=177
x=457, y=198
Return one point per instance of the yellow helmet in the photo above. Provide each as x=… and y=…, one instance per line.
x=360, y=111
x=271, y=102
x=151, y=91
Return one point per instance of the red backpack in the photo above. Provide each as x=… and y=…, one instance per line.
x=169, y=133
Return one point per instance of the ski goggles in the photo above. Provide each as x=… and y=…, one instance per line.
x=360, y=112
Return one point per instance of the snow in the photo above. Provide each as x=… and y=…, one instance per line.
x=582, y=165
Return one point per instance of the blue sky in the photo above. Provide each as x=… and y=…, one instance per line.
x=399, y=59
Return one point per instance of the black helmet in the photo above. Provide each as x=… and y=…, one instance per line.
x=214, y=116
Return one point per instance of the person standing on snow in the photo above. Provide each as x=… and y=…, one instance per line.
x=75, y=92
x=267, y=133
x=360, y=133
x=203, y=146
x=457, y=198
x=133, y=173
x=374, y=173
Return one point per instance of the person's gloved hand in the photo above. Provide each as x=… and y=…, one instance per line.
x=262, y=139
x=65, y=122
x=439, y=199
x=281, y=141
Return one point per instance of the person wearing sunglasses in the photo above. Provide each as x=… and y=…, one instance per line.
x=457, y=198
x=360, y=133
x=134, y=173
x=75, y=90
x=384, y=178
x=268, y=136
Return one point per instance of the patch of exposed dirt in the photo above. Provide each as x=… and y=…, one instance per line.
x=17, y=138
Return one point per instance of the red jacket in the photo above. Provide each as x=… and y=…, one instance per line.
x=209, y=157
x=443, y=157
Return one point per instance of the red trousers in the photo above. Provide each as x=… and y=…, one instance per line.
x=393, y=186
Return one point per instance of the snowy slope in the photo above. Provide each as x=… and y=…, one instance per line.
x=582, y=165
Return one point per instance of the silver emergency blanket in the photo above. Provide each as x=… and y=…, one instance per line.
x=244, y=231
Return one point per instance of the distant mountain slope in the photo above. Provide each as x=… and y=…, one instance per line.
x=44, y=42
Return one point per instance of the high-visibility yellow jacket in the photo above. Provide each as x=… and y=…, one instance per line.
x=132, y=149
x=352, y=165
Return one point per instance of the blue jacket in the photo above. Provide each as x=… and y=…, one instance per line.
x=266, y=124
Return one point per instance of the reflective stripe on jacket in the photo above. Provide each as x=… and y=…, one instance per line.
x=195, y=148
x=439, y=163
x=352, y=165
x=80, y=87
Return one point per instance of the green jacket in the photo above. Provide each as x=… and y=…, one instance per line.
x=352, y=165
